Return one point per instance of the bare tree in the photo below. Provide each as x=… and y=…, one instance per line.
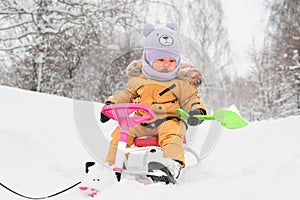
x=203, y=24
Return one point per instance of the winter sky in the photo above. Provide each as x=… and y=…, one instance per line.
x=245, y=22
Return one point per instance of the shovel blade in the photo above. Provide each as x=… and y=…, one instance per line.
x=230, y=119
x=227, y=118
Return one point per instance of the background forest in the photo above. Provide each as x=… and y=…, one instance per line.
x=80, y=49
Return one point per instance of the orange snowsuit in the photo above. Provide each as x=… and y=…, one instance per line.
x=163, y=98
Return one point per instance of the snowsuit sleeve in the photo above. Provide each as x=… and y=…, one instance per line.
x=125, y=96
x=189, y=98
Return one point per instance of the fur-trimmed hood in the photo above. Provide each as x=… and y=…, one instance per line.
x=186, y=72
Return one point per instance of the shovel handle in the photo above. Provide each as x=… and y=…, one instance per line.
x=186, y=115
x=204, y=117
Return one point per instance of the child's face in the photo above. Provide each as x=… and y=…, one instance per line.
x=164, y=64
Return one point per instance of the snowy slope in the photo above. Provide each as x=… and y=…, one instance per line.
x=41, y=153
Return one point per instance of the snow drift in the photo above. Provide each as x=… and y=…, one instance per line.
x=41, y=153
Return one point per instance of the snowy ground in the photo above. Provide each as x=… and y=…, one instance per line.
x=41, y=154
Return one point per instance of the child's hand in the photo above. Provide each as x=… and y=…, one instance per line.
x=104, y=118
x=193, y=121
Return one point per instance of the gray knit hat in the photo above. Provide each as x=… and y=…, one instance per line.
x=161, y=42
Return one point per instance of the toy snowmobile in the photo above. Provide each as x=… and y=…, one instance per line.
x=144, y=158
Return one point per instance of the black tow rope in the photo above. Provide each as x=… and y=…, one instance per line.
x=40, y=197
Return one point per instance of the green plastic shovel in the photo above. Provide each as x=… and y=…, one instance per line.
x=227, y=118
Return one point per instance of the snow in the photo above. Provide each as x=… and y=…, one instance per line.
x=41, y=153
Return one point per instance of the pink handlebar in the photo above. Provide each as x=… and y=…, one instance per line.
x=123, y=113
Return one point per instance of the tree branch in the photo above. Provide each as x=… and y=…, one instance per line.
x=14, y=26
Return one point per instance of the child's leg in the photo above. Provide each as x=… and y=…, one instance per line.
x=171, y=136
x=112, y=151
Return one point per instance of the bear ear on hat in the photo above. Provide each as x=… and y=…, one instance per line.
x=148, y=29
x=172, y=26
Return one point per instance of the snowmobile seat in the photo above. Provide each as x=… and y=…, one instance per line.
x=148, y=141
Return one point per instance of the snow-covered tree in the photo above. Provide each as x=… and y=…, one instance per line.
x=275, y=74
x=80, y=49
x=284, y=40
x=53, y=37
